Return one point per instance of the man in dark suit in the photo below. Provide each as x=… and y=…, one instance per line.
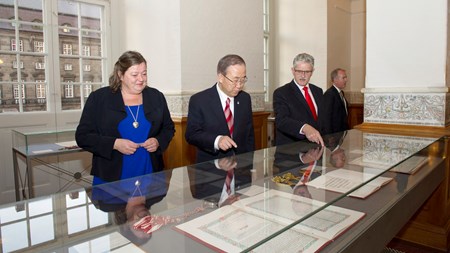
x=336, y=110
x=298, y=105
x=214, y=134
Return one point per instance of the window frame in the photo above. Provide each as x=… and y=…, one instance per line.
x=33, y=55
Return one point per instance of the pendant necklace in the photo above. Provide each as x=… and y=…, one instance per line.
x=135, y=123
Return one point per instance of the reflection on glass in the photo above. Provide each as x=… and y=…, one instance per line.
x=75, y=199
x=76, y=220
x=14, y=236
x=38, y=234
x=41, y=206
x=97, y=217
x=105, y=243
x=9, y=214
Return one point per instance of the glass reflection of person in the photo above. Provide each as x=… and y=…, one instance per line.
x=130, y=200
x=337, y=153
x=218, y=181
x=338, y=158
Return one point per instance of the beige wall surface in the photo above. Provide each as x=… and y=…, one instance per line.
x=300, y=26
x=406, y=43
x=339, y=38
x=213, y=29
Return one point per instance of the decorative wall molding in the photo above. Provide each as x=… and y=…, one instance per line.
x=407, y=108
x=179, y=103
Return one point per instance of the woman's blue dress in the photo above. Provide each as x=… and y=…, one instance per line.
x=139, y=163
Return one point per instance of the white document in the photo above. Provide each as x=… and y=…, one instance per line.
x=343, y=181
x=411, y=165
x=236, y=227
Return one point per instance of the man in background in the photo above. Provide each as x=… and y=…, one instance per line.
x=336, y=107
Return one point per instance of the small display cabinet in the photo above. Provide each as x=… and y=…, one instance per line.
x=30, y=144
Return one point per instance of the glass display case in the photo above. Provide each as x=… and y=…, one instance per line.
x=351, y=195
x=32, y=142
x=31, y=145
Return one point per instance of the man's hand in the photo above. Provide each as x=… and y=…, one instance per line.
x=313, y=135
x=225, y=143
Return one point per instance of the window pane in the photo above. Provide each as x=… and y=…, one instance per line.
x=91, y=44
x=30, y=10
x=94, y=74
x=10, y=214
x=90, y=16
x=41, y=206
x=14, y=236
x=97, y=217
x=8, y=102
x=76, y=220
x=70, y=99
x=67, y=13
x=72, y=201
x=8, y=9
x=42, y=229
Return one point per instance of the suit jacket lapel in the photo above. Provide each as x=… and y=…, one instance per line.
x=216, y=105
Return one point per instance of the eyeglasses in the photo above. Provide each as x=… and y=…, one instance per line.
x=241, y=80
x=303, y=72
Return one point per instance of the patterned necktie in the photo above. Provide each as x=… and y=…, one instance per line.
x=310, y=102
x=341, y=93
x=229, y=117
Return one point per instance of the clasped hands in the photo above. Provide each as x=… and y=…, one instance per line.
x=128, y=147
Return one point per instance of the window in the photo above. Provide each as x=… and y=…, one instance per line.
x=40, y=65
x=14, y=45
x=15, y=65
x=66, y=34
x=86, y=50
x=40, y=222
x=68, y=91
x=19, y=92
x=38, y=46
x=67, y=49
x=87, y=89
x=40, y=91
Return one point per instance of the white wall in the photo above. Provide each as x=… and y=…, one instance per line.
x=184, y=40
x=301, y=26
x=339, y=38
x=358, y=45
x=211, y=29
x=406, y=43
x=153, y=29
